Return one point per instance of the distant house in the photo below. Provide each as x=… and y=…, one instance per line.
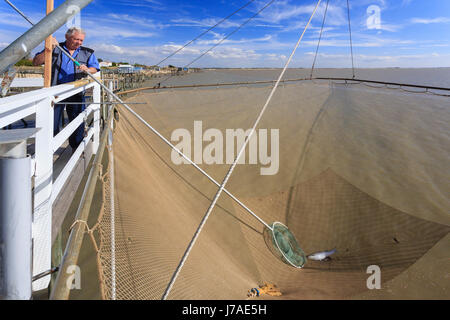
x=125, y=68
x=105, y=64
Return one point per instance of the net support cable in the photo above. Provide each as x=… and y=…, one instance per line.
x=320, y=38
x=205, y=32
x=350, y=33
x=230, y=171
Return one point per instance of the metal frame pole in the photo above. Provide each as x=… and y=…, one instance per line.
x=15, y=216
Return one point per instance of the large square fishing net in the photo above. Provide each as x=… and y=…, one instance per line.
x=361, y=170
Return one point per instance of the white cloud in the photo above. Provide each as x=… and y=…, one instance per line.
x=284, y=10
x=390, y=27
x=114, y=18
x=170, y=48
x=108, y=30
x=208, y=22
x=326, y=60
x=234, y=53
x=245, y=41
x=153, y=4
x=432, y=20
x=406, y=3
x=15, y=20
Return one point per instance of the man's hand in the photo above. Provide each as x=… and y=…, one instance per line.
x=39, y=59
x=84, y=68
x=54, y=42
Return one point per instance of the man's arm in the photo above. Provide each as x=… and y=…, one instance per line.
x=39, y=59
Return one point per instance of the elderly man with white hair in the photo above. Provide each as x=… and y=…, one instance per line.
x=64, y=70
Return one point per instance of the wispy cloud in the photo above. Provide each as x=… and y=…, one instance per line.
x=326, y=60
x=15, y=20
x=208, y=22
x=286, y=11
x=430, y=20
x=152, y=4
x=243, y=40
x=406, y=3
x=114, y=18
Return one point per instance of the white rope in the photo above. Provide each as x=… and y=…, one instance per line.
x=222, y=186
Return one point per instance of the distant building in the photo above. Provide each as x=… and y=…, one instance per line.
x=105, y=64
x=125, y=68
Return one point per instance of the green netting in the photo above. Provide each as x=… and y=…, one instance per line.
x=282, y=243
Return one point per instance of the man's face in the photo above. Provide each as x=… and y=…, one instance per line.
x=74, y=41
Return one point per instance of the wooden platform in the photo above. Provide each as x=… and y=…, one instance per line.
x=63, y=201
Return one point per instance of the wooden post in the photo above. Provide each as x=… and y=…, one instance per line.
x=48, y=52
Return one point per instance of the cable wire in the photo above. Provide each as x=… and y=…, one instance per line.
x=230, y=171
x=350, y=32
x=222, y=40
x=320, y=38
x=205, y=32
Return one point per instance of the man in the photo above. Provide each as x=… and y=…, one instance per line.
x=64, y=70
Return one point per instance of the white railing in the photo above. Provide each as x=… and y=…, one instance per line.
x=40, y=103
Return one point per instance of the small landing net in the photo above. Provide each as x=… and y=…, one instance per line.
x=282, y=243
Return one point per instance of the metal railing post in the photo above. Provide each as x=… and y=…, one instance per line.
x=15, y=215
x=42, y=218
x=97, y=97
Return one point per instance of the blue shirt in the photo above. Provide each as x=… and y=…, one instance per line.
x=66, y=73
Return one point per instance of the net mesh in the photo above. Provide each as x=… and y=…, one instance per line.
x=363, y=170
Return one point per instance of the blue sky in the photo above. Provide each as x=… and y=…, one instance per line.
x=409, y=33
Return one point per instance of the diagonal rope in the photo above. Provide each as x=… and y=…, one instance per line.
x=222, y=186
x=222, y=40
x=350, y=32
x=205, y=32
x=320, y=38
